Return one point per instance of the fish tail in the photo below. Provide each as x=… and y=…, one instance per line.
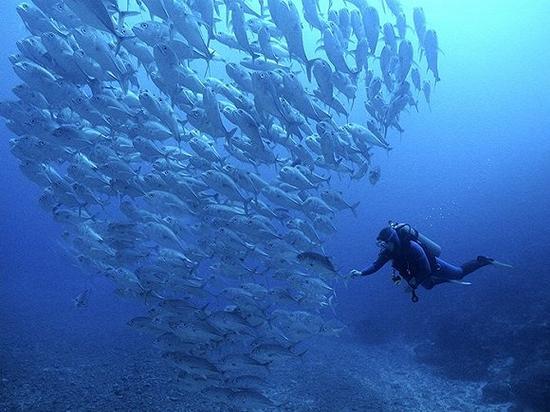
x=231, y=133
x=301, y=354
x=354, y=75
x=124, y=79
x=354, y=208
x=209, y=56
x=246, y=205
x=121, y=36
x=331, y=304
x=309, y=65
x=122, y=15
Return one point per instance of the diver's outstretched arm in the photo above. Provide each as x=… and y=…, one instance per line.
x=376, y=265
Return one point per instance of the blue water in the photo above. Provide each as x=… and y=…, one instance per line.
x=473, y=174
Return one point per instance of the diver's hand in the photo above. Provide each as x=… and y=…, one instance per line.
x=354, y=273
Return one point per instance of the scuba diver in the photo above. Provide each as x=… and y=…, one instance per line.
x=416, y=259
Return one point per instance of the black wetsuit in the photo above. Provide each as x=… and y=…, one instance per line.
x=411, y=261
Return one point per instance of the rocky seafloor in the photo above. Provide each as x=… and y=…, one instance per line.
x=498, y=340
x=126, y=373
x=494, y=356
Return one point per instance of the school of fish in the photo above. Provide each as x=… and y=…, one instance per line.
x=187, y=148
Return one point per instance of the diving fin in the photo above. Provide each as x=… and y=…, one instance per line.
x=501, y=264
x=455, y=281
x=492, y=261
x=459, y=282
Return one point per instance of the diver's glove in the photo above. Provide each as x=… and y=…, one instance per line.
x=354, y=273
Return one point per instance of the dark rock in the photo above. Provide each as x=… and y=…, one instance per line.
x=532, y=386
x=425, y=352
x=515, y=408
x=497, y=392
x=468, y=369
x=372, y=331
x=454, y=364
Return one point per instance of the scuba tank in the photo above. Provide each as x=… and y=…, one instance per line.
x=406, y=231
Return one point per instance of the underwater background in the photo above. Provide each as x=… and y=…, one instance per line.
x=472, y=173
